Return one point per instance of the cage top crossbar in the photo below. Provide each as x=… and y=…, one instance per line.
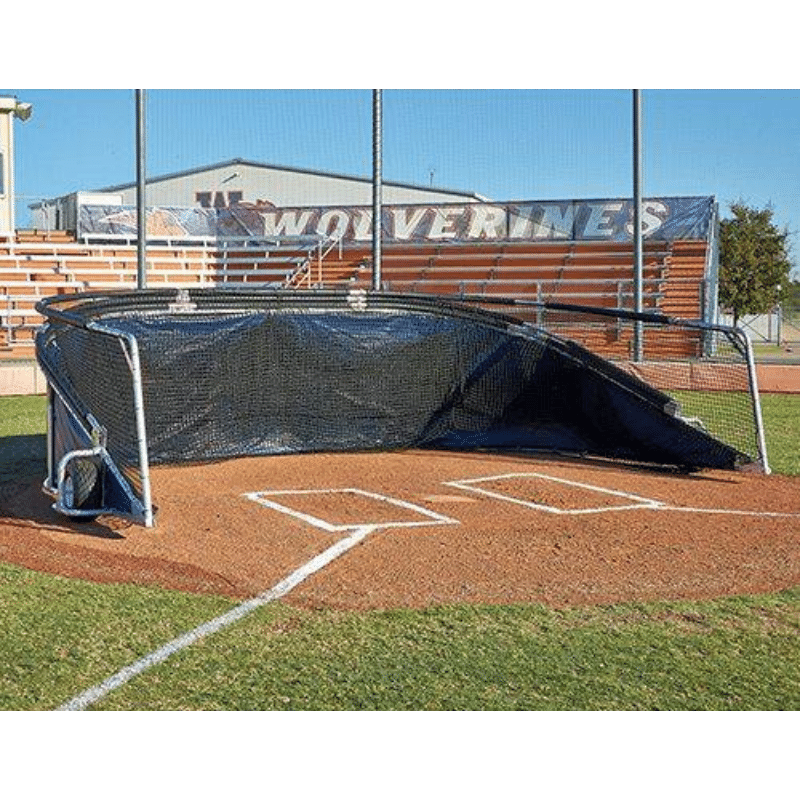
x=79, y=309
x=84, y=310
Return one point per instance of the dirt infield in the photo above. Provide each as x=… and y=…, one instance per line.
x=438, y=528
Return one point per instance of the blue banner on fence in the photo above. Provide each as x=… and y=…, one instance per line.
x=663, y=219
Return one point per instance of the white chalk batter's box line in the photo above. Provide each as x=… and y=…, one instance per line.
x=429, y=517
x=646, y=503
x=469, y=485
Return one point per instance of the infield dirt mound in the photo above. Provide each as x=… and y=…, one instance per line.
x=444, y=528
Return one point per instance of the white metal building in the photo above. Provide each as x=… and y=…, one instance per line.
x=230, y=183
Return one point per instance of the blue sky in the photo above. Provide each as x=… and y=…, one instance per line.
x=505, y=144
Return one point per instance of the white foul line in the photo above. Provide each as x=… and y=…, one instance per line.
x=91, y=696
x=734, y=512
x=357, y=534
x=640, y=504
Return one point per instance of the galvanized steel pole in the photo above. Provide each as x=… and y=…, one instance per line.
x=141, y=208
x=638, y=256
x=377, y=188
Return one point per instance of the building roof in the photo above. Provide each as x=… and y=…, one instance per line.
x=300, y=170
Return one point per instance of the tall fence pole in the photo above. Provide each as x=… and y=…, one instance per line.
x=638, y=257
x=377, y=187
x=141, y=207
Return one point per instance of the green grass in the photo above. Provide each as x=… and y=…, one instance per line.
x=773, y=352
x=23, y=424
x=782, y=431
x=62, y=636
x=23, y=419
x=22, y=415
x=59, y=635
x=741, y=653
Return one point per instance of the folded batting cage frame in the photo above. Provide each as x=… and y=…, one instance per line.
x=188, y=375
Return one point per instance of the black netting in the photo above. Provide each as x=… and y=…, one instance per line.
x=227, y=374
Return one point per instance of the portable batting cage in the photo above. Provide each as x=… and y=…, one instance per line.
x=174, y=376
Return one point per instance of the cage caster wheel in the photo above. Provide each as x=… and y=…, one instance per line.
x=82, y=489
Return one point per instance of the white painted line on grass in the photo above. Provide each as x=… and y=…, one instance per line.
x=91, y=696
x=357, y=534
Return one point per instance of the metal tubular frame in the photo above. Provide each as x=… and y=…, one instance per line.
x=130, y=348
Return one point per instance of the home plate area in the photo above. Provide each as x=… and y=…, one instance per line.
x=347, y=509
x=414, y=528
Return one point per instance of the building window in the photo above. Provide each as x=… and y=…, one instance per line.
x=2, y=174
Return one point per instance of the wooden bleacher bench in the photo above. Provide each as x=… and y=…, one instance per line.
x=35, y=264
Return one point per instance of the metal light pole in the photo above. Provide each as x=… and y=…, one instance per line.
x=638, y=258
x=141, y=207
x=377, y=188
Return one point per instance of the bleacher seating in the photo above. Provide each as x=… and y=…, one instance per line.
x=589, y=273
x=596, y=274
x=35, y=265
